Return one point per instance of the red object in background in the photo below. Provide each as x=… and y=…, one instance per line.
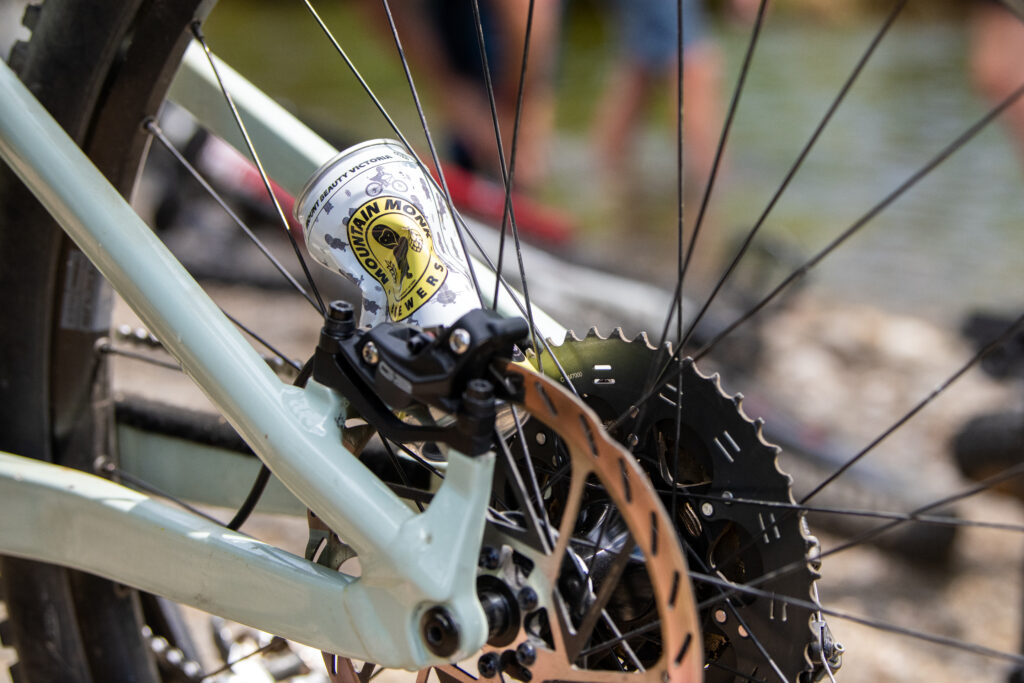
x=485, y=199
x=472, y=194
x=226, y=166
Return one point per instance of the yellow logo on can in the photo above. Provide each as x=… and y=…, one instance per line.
x=392, y=241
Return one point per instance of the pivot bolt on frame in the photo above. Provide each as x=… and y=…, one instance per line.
x=440, y=632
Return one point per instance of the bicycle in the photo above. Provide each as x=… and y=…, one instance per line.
x=381, y=181
x=418, y=601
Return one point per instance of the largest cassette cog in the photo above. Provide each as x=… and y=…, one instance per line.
x=720, y=454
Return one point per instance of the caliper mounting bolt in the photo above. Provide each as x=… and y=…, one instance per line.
x=459, y=341
x=341, y=319
x=370, y=353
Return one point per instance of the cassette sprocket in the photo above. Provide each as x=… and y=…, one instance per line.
x=700, y=449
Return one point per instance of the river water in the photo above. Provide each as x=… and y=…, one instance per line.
x=955, y=240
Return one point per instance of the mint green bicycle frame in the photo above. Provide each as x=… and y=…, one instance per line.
x=410, y=562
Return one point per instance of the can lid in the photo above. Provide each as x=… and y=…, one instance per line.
x=327, y=166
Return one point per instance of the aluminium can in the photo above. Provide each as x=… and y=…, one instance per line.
x=373, y=215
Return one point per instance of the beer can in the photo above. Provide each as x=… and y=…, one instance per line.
x=373, y=215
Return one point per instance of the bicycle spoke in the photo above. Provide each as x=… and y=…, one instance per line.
x=109, y=348
x=680, y=251
x=928, y=520
x=153, y=127
x=275, y=642
x=107, y=467
x=609, y=644
x=859, y=224
x=197, y=32
x=249, y=331
x=862, y=538
x=508, y=169
x=935, y=393
x=596, y=609
x=719, y=150
x=739, y=617
x=399, y=470
x=460, y=226
x=540, y=530
x=872, y=623
x=532, y=475
x=843, y=91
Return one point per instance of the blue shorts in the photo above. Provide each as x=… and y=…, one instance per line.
x=649, y=30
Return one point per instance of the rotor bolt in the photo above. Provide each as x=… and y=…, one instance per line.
x=526, y=654
x=370, y=353
x=440, y=632
x=527, y=599
x=459, y=341
x=489, y=665
x=490, y=557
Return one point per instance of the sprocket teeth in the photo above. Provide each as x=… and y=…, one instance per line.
x=757, y=449
x=642, y=338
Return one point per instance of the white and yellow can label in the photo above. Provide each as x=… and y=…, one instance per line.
x=372, y=215
x=392, y=241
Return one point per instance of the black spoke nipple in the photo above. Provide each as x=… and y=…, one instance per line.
x=489, y=665
x=440, y=632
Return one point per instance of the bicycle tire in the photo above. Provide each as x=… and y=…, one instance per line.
x=80, y=62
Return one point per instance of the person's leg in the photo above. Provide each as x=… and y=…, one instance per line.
x=997, y=62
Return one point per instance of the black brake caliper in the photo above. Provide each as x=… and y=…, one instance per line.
x=395, y=365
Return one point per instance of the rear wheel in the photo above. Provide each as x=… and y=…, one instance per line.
x=99, y=69
x=103, y=72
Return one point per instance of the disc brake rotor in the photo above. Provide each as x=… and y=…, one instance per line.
x=582, y=575
x=703, y=454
